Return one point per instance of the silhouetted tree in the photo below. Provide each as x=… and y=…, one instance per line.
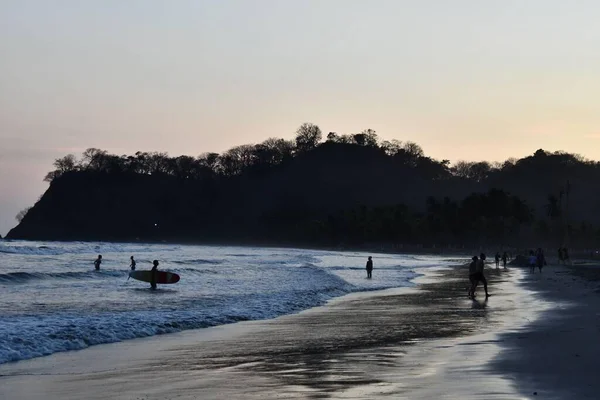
x=21, y=214
x=476, y=171
x=307, y=137
x=413, y=149
x=332, y=137
x=392, y=147
x=368, y=137
x=65, y=164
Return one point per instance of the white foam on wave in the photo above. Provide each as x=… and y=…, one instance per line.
x=66, y=308
x=54, y=249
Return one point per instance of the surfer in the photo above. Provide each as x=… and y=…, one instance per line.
x=132, y=264
x=154, y=270
x=98, y=262
x=369, y=267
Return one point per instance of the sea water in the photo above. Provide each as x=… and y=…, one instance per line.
x=52, y=299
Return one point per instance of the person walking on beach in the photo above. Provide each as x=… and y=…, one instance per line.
x=504, y=259
x=153, y=275
x=566, y=256
x=132, y=264
x=473, y=277
x=98, y=262
x=540, y=260
x=561, y=259
x=532, y=262
x=497, y=259
x=369, y=267
x=480, y=275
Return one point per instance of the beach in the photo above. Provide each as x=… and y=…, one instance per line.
x=533, y=338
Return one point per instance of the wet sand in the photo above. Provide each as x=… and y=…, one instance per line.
x=422, y=343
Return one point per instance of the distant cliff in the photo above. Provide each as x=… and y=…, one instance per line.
x=348, y=189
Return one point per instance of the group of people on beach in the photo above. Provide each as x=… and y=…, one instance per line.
x=132, y=265
x=536, y=259
x=503, y=257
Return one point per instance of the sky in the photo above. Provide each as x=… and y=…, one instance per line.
x=466, y=79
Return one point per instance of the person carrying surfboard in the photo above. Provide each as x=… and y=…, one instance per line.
x=154, y=270
x=154, y=276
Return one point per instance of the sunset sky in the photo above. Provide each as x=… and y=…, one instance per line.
x=465, y=79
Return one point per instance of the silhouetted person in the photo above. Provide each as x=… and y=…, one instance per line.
x=153, y=275
x=369, y=267
x=532, y=261
x=497, y=259
x=98, y=262
x=473, y=276
x=540, y=260
x=561, y=258
x=504, y=259
x=566, y=256
x=480, y=276
x=132, y=264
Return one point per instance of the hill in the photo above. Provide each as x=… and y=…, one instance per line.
x=348, y=189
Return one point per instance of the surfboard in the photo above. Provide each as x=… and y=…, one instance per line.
x=163, y=277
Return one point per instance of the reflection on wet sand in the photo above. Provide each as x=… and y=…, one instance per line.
x=419, y=344
x=323, y=352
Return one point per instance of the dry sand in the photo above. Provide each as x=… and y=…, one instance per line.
x=535, y=334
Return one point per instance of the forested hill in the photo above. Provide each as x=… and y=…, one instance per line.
x=347, y=189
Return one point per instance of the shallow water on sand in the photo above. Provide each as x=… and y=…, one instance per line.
x=52, y=299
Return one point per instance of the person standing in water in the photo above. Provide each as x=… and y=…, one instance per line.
x=497, y=259
x=504, y=259
x=153, y=275
x=98, y=262
x=132, y=264
x=369, y=267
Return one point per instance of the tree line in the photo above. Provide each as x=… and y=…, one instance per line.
x=337, y=188
x=235, y=161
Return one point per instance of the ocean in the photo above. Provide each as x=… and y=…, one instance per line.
x=52, y=299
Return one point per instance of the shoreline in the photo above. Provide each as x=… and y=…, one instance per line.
x=581, y=254
x=535, y=337
x=557, y=356
x=294, y=356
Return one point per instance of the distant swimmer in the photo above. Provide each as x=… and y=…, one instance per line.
x=98, y=262
x=132, y=264
x=153, y=278
x=369, y=267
